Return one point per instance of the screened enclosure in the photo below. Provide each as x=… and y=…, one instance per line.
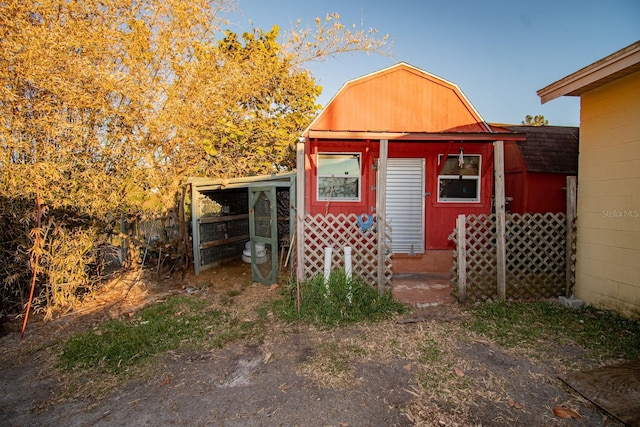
x=244, y=218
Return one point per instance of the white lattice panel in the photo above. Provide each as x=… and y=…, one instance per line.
x=535, y=256
x=338, y=231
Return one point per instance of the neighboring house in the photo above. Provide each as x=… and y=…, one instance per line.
x=608, y=235
x=438, y=153
x=536, y=169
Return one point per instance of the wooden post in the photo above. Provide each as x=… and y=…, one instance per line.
x=300, y=202
x=195, y=227
x=572, y=189
x=381, y=201
x=501, y=256
x=461, y=225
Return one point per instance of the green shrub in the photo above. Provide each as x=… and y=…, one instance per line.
x=340, y=300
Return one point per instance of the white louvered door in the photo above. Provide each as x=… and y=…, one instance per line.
x=405, y=205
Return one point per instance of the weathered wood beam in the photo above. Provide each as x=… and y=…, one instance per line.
x=381, y=202
x=501, y=254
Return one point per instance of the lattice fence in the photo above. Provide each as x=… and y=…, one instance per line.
x=536, y=257
x=338, y=231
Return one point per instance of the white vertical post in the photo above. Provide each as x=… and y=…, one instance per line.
x=501, y=253
x=461, y=225
x=347, y=262
x=327, y=264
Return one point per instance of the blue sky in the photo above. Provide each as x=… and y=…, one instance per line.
x=499, y=52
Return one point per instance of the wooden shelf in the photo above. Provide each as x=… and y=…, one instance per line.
x=221, y=242
x=215, y=219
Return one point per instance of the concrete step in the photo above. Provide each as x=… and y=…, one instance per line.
x=422, y=289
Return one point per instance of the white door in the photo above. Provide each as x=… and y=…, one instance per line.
x=405, y=205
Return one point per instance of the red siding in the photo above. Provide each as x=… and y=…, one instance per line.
x=515, y=189
x=532, y=192
x=513, y=161
x=545, y=192
x=536, y=192
x=439, y=217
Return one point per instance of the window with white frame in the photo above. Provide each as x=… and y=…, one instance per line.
x=338, y=176
x=459, y=179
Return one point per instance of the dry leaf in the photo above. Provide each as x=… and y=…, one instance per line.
x=166, y=381
x=274, y=287
x=564, y=412
x=408, y=367
x=343, y=424
x=512, y=403
x=459, y=372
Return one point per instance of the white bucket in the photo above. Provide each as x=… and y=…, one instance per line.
x=261, y=253
x=259, y=246
x=247, y=252
x=259, y=259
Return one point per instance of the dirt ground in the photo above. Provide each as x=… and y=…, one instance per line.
x=418, y=369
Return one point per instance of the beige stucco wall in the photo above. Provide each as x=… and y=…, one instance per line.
x=608, y=247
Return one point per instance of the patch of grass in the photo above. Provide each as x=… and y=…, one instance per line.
x=429, y=351
x=337, y=357
x=175, y=322
x=603, y=334
x=339, y=301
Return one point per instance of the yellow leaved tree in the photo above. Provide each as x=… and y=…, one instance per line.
x=108, y=107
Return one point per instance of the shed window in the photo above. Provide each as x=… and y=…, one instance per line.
x=339, y=177
x=460, y=183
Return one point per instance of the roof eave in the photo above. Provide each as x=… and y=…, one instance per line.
x=415, y=136
x=618, y=64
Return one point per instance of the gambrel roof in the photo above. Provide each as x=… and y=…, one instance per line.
x=399, y=99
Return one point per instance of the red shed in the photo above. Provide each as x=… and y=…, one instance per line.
x=536, y=169
x=422, y=135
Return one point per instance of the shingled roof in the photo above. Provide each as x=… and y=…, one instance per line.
x=552, y=149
